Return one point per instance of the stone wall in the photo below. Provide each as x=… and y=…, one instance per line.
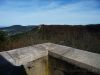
x=32, y=60
x=37, y=67
x=49, y=59
x=60, y=67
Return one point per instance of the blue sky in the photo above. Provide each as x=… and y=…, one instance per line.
x=35, y=12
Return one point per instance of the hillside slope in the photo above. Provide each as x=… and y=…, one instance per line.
x=16, y=29
x=82, y=37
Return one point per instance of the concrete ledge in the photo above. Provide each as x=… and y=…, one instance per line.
x=80, y=58
x=24, y=55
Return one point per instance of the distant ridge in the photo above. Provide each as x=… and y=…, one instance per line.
x=15, y=29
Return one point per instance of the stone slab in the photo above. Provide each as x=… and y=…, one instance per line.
x=81, y=58
x=24, y=55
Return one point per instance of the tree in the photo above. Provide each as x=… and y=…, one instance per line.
x=3, y=36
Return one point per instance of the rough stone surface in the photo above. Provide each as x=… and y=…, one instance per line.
x=83, y=59
x=37, y=67
x=60, y=67
x=24, y=55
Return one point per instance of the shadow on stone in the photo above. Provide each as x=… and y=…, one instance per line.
x=7, y=68
x=60, y=67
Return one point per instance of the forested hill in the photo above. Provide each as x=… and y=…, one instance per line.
x=16, y=29
x=85, y=37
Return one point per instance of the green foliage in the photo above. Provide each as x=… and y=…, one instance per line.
x=81, y=37
x=3, y=36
